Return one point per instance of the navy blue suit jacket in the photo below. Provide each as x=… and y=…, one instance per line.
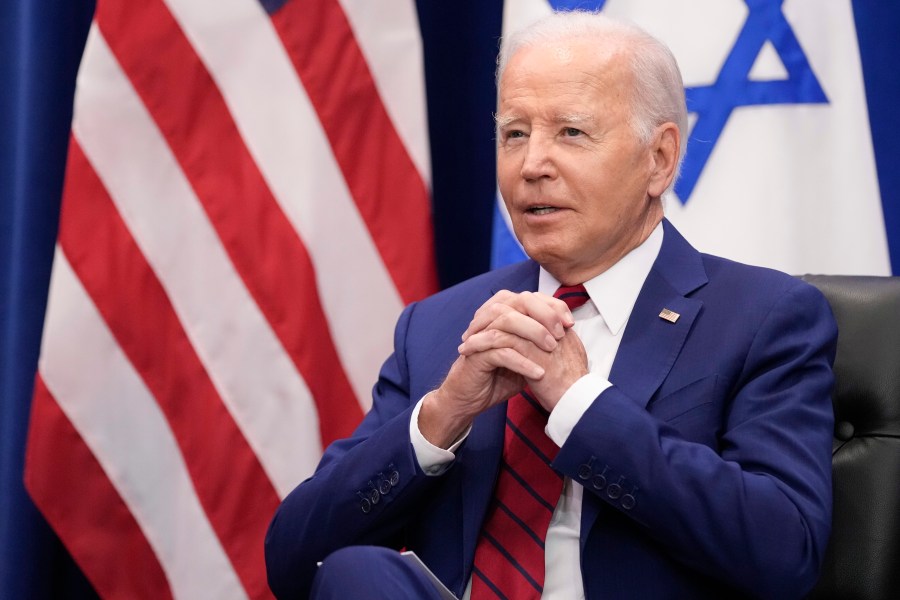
x=714, y=442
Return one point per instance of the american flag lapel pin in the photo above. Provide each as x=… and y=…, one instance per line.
x=669, y=315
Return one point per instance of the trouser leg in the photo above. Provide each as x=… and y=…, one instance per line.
x=370, y=572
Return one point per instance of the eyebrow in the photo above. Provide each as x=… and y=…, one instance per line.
x=502, y=121
x=574, y=118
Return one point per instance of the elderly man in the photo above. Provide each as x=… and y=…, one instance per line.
x=660, y=429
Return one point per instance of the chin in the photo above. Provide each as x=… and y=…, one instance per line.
x=543, y=253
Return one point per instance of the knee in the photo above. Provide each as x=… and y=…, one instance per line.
x=350, y=571
x=370, y=572
x=347, y=561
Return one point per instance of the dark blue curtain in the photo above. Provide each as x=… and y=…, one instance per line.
x=878, y=29
x=40, y=47
x=460, y=41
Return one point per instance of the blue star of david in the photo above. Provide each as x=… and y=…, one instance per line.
x=713, y=104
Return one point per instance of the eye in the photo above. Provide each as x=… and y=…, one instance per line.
x=572, y=132
x=512, y=136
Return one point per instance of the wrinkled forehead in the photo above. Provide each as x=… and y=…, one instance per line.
x=591, y=55
x=589, y=63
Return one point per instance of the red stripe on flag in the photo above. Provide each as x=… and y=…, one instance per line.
x=231, y=484
x=73, y=493
x=388, y=190
x=265, y=249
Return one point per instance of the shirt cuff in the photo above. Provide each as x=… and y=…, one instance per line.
x=572, y=406
x=432, y=460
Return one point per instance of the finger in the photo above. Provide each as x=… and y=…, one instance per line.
x=562, y=368
x=498, y=304
x=552, y=314
x=494, y=339
x=509, y=359
x=524, y=327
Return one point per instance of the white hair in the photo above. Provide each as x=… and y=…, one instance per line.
x=658, y=95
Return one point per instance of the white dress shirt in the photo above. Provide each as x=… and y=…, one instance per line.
x=600, y=324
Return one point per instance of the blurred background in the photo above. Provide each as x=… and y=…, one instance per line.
x=214, y=211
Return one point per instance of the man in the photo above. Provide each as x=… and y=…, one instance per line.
x=688, y=398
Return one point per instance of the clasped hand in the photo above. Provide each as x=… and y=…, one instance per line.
x=514, y=340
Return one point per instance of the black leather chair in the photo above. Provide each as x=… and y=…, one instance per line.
x=863, y=556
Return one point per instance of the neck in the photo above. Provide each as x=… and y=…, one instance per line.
x=573, y=274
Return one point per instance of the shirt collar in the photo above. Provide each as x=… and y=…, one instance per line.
x=615, y=291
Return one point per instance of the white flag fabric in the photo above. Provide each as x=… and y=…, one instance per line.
x=780, y=168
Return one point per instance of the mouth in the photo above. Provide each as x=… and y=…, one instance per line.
x=541, y=210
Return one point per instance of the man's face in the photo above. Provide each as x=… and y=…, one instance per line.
x=573, y=174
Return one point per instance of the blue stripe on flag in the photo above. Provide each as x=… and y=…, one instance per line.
x=733, y=88
x=877, y=24
x=577, y=4
x=272, y=6
x=505, y=249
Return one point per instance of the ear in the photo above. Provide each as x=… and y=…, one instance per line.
x=664, y=152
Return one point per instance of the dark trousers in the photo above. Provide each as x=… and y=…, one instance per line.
x=371, y=572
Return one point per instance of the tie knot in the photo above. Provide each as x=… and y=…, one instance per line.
x=573, y=295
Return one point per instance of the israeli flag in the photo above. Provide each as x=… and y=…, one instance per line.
x=780, y=168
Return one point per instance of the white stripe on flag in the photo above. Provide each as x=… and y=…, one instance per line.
x=256, y=380
x=295, y=158
x=388, y=34
x=120, y=422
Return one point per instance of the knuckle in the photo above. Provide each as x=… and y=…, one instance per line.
x=492, y=336
x=489, y=312
x=502, y=296
x=498, y=310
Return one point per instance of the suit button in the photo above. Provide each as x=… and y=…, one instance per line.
x=394, y=478
x=585, y=471
x=374, y=496
x=365, y=506
x=628, y=502
x=614, y=491
x=599, y=481
x=384, y=486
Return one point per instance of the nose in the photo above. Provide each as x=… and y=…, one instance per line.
x=538, y=162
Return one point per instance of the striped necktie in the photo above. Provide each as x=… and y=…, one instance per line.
x=509, y=557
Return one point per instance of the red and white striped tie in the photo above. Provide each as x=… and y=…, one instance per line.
x=509, y=558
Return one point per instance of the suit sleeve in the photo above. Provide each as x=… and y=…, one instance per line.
x=364, y=490
x=754, y=511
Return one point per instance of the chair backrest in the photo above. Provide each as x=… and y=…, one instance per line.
x=863, y=556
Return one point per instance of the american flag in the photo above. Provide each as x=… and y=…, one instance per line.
x=245, y=213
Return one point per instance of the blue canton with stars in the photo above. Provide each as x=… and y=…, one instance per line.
x=713, y=104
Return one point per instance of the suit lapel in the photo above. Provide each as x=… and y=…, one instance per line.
x=651, y=343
